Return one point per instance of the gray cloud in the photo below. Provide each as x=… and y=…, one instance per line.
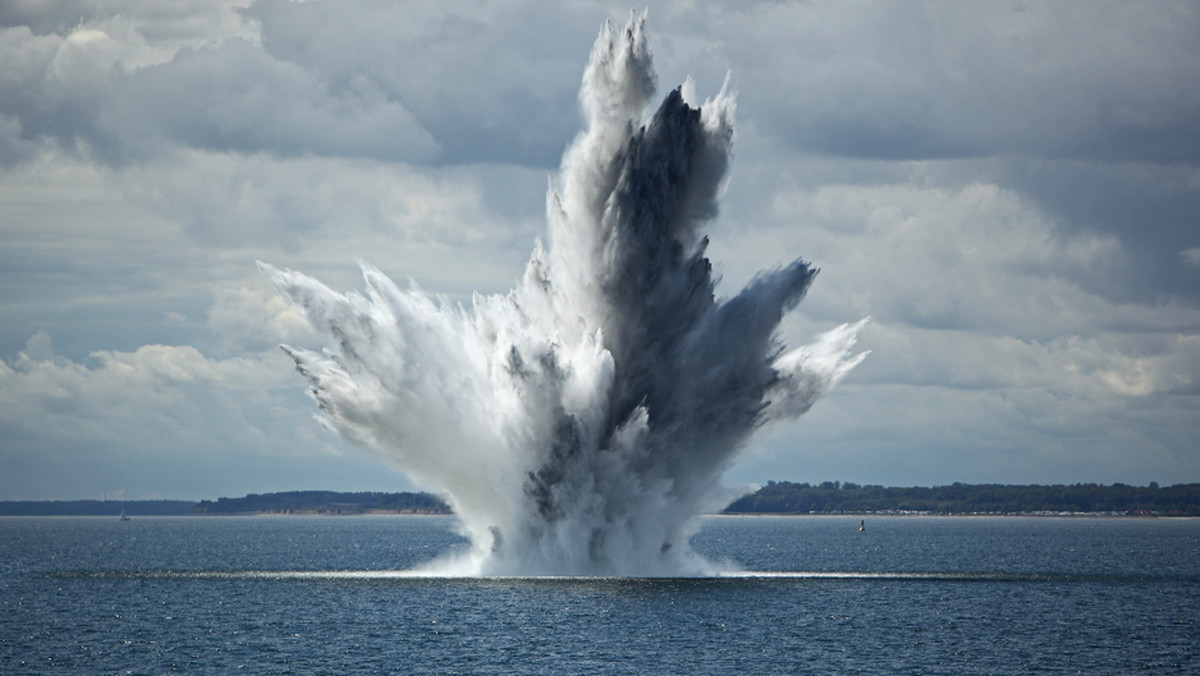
x=414, y=83
x=1152, y=208
x=1010, y=191
x=132, y=422
x=1096, y=81
x=470, y=82
x=179, y=20
x=235, y=97
x=491, y=84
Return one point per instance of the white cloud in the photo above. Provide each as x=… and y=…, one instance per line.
x=993, y=355
x=1107, y=365
x=444, y=226
x=147, y=415
x=1191, y=255
x=84, y=58
x=463, y=80
x=132, y=401
x=972, y=258
x=235, y=96
x=907, y=80
x=174, y=25
x=254, y=317
x=1034, y=307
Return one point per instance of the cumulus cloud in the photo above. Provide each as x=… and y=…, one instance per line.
x=135, y=420
x=184, y=22
x=939, y=435
x=103, y=400
x=979, y=257
x=417, y=83
x=491, y=82
x=1010, y=191
x=62, y=69
x=1075, y=366
x=471, y=81
x=330, y=211
x=993, y=330
x=1083, y=79
x=252, y=317
x=236, y=97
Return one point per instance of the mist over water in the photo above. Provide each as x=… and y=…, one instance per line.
x=580, y=424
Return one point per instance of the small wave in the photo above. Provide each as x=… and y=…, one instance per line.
x=743, y=575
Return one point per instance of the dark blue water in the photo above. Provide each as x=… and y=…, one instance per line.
x=908, y=596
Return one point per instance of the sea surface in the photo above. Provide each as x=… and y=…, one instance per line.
x=804, y=595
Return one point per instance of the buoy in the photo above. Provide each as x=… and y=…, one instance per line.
x=862, y=525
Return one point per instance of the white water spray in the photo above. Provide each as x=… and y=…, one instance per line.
x=580, y=424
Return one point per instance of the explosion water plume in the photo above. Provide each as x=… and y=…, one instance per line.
x=580, y=424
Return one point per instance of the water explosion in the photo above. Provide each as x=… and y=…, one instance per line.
x=580, y=424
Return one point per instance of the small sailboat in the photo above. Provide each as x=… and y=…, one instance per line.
x=123, y=516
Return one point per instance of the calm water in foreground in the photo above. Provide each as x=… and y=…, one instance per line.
x=911, y=595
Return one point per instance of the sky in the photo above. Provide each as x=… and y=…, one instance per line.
x=1010, y=191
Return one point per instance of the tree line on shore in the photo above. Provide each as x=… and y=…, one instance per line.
x=325, y=502
x=834, y=497
x=782, y=497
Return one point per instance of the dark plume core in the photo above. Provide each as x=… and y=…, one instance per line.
x=666, y=330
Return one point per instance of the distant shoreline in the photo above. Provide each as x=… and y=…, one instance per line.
x=5, y=513
x=935, y=515
x=736, y=515
x=830, y=498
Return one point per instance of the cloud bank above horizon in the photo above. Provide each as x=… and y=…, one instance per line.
x=1011, y=193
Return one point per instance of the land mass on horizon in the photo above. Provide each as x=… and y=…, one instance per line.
x=783, y=497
